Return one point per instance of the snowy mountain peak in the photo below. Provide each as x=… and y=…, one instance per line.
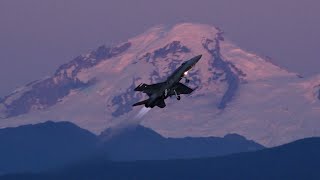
x=238, y=91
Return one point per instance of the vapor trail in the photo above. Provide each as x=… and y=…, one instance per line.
x=142, y=112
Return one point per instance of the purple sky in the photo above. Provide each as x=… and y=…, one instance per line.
x=36, y=36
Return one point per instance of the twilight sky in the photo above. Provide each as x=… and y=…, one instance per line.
x=36, y=36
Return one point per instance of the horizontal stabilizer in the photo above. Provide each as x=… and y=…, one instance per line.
x=141, y=87
x=140, y=103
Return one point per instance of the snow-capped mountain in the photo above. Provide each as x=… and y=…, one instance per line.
x=238, y=91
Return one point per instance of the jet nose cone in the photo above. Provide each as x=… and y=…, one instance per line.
x=194, y=60
x=197, y=58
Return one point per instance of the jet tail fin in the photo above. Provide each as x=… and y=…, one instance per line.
x=140, y=103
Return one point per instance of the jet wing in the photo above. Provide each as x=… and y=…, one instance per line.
x=183, y=89
x=149, y=89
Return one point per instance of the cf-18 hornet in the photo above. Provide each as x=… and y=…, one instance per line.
x=171, y=87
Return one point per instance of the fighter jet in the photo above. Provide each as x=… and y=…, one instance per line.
x=171, y=87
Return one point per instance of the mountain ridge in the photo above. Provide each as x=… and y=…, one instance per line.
x=146, y=144
x=53, y=145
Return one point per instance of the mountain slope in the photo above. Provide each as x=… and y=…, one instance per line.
x=297, y=160
x=238, y=91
